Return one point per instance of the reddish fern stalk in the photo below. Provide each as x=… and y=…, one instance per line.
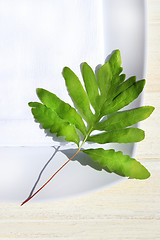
x=28, y=199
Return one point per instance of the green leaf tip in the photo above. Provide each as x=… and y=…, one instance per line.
x=78, y=94
x=115, y=62
x=91, y=85
x=123, y=119
x=62, y=109
x=118, y=163
x=126, y=135
x=50, y=120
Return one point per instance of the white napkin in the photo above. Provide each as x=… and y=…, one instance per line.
x=37, y=39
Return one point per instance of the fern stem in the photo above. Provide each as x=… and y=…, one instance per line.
x=28, y=199
x=83, y=141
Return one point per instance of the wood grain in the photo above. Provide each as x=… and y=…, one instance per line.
x=129, y=210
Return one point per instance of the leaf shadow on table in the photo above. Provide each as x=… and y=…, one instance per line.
x=41, y=172
x=81, y=157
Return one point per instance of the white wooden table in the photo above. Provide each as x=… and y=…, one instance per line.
x=129, y=210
